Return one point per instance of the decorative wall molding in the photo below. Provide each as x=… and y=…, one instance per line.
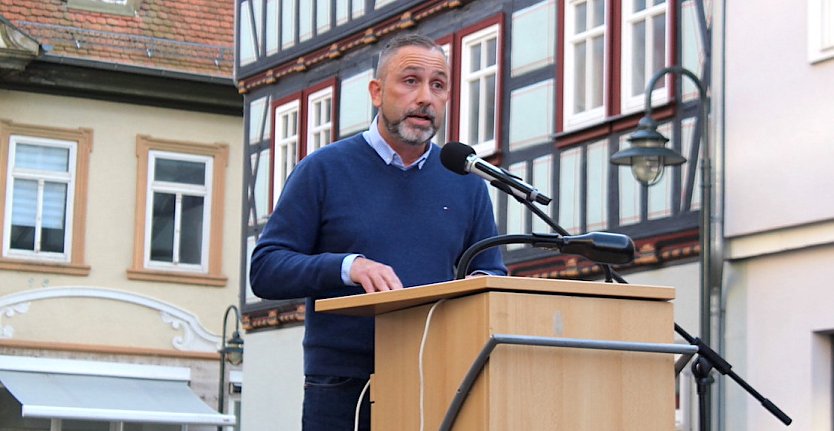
x=194, y=336
x=273, y=318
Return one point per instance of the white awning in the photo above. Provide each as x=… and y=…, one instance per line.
x=110, y=398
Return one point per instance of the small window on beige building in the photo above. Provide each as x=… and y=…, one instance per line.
x=43, y=176
x=179, y=212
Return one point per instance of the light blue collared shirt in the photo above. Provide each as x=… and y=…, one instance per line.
x=387, y=153
x=390, y=157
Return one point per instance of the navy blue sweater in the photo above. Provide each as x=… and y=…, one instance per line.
x=344, y=199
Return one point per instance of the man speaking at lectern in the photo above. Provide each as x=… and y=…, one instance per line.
x=373, y=212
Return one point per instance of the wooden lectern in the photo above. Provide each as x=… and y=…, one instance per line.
x=521, y=387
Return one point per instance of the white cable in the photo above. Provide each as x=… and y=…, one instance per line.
x=359, y=405
x=420, y=360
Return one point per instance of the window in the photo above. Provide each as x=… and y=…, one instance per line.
x=596, y=184
x=347, y=10
x=444, y=131
x=259, y=132
x=534, y=37
x=820, y=30
x=294, y=138
x=644, y=51
x=285, y=150
x=179, y=197
x=570, y=185
x=319, y=119
x=40, y=183
x=44, y=180
x=479, y=68
x=355, y=107
x=584, y=84
x=531, y=115
x=116, y=7
x=179, y=212
x=516, y=212
x=322, y=16
x=250, y=29
x=306, y=20
x=267, y=27
x=287, y=23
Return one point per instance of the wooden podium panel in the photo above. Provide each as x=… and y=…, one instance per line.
x=521, y=387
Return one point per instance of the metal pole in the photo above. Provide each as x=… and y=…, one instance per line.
x=221, y=394
x=705, y=240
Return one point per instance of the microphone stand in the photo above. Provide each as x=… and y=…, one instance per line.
x=707, y=360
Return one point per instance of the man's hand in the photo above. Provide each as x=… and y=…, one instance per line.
x=374, y=276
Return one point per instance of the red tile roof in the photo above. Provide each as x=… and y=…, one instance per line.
x=193, y=36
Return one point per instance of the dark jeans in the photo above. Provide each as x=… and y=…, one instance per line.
x=330, y=404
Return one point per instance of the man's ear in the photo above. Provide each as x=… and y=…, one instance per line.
x=375, y=89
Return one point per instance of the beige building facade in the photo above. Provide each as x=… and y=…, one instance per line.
x=120, y=197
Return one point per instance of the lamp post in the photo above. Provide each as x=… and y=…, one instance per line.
x=648, y=156
x=231, y=351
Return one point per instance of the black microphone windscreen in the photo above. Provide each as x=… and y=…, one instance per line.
x=453, y=156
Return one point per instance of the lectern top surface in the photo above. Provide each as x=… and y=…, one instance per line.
x=371, y=304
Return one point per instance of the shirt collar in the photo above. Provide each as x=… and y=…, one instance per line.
x=389, y=156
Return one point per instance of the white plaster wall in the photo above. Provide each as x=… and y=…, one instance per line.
x=779, y=134
x=778, y=306
x=273, y=380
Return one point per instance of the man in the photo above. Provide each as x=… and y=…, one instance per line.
x=373, y=212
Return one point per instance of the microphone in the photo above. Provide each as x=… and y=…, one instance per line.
x=461, y=159
x=600, y=247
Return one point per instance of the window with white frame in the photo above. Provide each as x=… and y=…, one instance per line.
x=179, y=205
x=179, y=198
x=478, y=89
x=644, y=51
x=43, y=197
x=820, y=30
x=285, y=152
x=585, y=62
x=40, y=186
x=319, y=121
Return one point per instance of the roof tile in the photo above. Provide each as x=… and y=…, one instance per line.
x=194, y=36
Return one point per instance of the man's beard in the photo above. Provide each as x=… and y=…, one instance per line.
x=409, y=134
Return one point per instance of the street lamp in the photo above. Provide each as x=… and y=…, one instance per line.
x=231, y=352
x=648, y=156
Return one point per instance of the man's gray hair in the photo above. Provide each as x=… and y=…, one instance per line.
x=399, y=41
